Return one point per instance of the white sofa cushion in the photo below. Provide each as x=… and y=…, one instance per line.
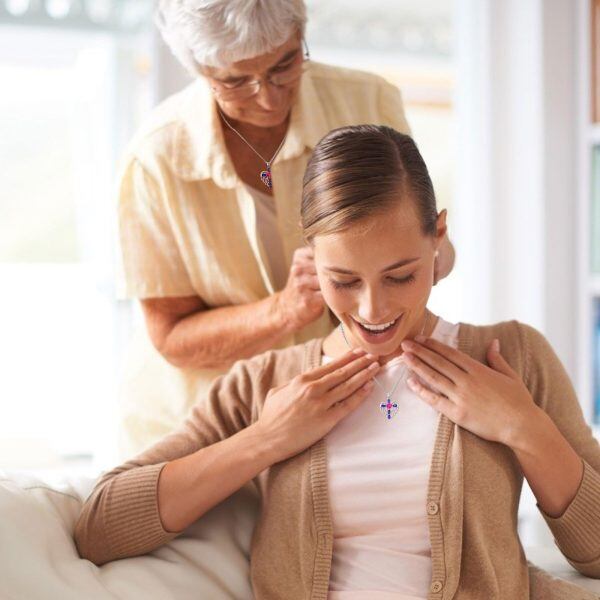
x=38, y=558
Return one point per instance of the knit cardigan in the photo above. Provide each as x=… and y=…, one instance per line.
x=472, y=498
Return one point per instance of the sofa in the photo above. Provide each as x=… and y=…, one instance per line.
x=209, y=561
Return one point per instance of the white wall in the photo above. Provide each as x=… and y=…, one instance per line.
x=516, y=141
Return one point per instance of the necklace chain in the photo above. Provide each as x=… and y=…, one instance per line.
x=389, y=394
x=267, y=162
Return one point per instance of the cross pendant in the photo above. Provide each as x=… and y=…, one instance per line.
x=265, y=176
x=388, y=408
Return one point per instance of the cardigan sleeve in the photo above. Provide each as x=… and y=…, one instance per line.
x=121, y=518
x=577, y=530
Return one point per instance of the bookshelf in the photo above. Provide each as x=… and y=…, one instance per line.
x=588, y=343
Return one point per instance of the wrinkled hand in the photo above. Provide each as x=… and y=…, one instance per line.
x=489, y=401
x=301, y=301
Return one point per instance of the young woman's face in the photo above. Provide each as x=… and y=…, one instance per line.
x=377, y=275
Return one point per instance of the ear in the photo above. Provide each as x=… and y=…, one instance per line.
x=441, y=228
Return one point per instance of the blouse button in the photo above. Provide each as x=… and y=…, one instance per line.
x=436, y=587
x=432, y=508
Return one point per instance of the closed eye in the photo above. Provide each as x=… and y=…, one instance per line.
x=339, y=285
x=400, y=280
x=344, y=285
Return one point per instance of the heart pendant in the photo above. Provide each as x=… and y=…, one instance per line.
x=265, y=177
x=389, y=409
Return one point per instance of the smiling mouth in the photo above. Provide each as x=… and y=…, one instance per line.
x=376, y=329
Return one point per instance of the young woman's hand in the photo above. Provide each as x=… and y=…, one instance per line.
x=301, y=412
x=491, y=402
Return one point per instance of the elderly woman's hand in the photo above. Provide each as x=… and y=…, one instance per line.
x=301, y=301
x=491, y=402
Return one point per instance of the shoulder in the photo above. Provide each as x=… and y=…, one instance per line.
x=155, y=143
x=363, y=89
x=352, y=96
x=334, y=76
x=278, y=366
x=524, y=347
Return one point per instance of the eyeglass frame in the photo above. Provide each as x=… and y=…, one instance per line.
x=259, y=82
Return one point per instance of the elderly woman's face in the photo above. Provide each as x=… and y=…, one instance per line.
x=271, y=105
x=378, y=274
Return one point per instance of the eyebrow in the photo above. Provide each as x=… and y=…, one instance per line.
x=396, y=265
x=287, y=56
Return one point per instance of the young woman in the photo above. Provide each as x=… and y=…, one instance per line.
x=389, y=455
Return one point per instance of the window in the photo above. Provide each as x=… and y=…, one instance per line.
x=75, y=80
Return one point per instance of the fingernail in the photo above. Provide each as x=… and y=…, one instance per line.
x=420, y=338
x=358, y=351
x=371, y=356
x=374, y=366
x=496, y=345
x=411, y=381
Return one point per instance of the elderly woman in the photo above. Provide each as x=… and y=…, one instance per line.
x=391, y=471
x=209, y=200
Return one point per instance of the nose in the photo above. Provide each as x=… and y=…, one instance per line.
x=269, y=96
x=372, y=306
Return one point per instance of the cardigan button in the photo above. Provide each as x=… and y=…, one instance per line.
x=436, y=587
x=432, y=508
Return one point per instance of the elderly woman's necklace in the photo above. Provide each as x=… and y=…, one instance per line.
x=388, y=408
x=265, y=176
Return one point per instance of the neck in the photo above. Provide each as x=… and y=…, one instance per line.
x=253, y=133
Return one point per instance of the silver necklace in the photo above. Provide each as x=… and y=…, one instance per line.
x=265, y=175
x=388, y=408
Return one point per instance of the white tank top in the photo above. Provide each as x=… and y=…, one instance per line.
x=378, y=471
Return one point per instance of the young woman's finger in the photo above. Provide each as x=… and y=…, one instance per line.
x=331, y=380
x=435, y=360
x=350, y=385
x=322, y=370
x=344, y=407
x=460, y=359
x=437, y=401
x=428, y=374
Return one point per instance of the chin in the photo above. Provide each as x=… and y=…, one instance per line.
x=270, y=120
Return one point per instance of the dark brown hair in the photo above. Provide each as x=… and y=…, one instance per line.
x=360, y=170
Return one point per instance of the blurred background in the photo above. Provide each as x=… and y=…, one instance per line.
x=500, y=97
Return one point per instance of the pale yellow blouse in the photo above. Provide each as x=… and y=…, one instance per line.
x=188, y=223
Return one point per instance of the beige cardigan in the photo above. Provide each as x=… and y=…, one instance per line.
x=472, y=501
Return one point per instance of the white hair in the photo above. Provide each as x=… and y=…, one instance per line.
x=216, y=33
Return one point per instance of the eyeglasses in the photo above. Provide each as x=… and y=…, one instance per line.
x=280, y=77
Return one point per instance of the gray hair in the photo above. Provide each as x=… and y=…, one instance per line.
x=216, y=33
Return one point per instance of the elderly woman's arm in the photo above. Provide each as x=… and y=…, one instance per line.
x=190, y=335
